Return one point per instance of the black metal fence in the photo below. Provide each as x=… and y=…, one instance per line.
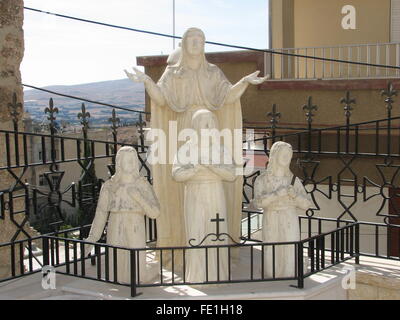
x=46, y=204
x=67, y=254
x=327, y=240
x=351, y=172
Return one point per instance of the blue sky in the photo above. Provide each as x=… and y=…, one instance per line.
x=64, y=52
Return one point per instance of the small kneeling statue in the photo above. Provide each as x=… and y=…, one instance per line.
x=280, y=194
x=124, y=201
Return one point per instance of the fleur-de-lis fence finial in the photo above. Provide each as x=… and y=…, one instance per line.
x=52, y=111
x=84, y=116
x=389, y=93
x=309, y=108
x=141, y=124
x=348, y=101
x=274, y=115
x=114, y=122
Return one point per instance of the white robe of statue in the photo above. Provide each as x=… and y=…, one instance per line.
x=188, y=84
x=123, y=202
x=204, y=197
x=280, y=200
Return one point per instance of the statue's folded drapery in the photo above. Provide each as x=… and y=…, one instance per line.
x=124, y=206
x=204, y=197
x=186, y=91
x=281, y=195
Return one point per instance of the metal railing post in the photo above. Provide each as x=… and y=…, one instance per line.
x=133, y=273
x=45, y=249
x=93, y=257
x=300, y=265
x=357, y=243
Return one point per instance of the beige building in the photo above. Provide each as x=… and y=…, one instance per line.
x=360, y=30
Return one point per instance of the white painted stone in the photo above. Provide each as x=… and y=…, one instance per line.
x=204, y=198
x=188, y=84
x=280, y=196
x=123, y=202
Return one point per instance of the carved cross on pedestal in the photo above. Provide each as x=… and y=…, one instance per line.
x=217, y=236
x=217, y=220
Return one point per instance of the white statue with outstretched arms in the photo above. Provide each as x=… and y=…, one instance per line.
x=188, y=84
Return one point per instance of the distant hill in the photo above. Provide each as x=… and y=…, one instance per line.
x=123, y=93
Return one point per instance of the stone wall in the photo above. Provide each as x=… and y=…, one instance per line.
x=11, y=54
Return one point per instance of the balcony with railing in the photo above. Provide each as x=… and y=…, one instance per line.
x=311, y=63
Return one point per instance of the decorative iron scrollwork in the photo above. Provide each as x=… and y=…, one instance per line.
x=309, y=169
x=388, y=179
x=217, y=236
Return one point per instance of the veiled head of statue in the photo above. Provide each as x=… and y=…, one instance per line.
x=193, y=41
x=191, y=47
x=204, y=119
x=126, y=162
x=280, y=156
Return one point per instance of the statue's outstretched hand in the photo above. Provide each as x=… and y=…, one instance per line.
x=138, y=76
x=254, y=79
